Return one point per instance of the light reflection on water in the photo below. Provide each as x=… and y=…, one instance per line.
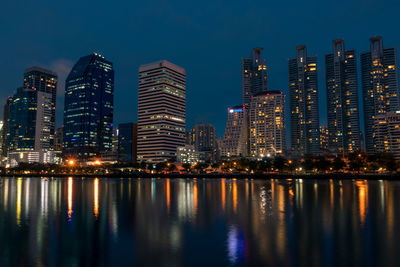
x=197, y=222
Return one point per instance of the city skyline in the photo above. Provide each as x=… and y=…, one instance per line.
x=223, y=38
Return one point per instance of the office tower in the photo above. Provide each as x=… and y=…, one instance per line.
x=380, y=86
x=44, y=81
x=127, y=142
x=29, y=124
x=254, y=75
x=303, y=92
x=235, y=142
x=342, y=96
x=189, y=154
x=162, y=111
x=88, y=109
x=267, y=124
x=387, y=133
x=323, y=138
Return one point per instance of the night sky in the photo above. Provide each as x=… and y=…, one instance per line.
x=207, y=38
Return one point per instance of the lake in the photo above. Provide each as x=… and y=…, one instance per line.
x=198, y=222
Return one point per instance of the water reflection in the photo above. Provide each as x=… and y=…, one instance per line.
x=178, y=222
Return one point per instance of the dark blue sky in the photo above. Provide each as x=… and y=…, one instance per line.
x=207, y=38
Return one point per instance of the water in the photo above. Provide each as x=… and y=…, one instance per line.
x=203, y=222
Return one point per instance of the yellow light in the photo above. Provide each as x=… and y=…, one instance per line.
x=97, y=162
x=71, y=162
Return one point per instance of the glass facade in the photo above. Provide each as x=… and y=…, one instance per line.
x=127, y=144
x=88, y=109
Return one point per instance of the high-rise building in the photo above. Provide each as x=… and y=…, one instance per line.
x=387, y=133
x=254, y=75
x=203, y=138
x=88, y=109
x=342, y=96
x=127, y=142
x=29, y=123
x=380, y=87
x=235, y=143
x=44, y=80
x=267, y=124
x=323, y=138
x=161, y=111
x=303, y=92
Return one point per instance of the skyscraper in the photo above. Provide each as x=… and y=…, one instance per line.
x=267, y=124
x=380, y=86
x=45, y=81
x=29, y=123
x=254, y=75
x=161, y=111
x=235, y=143
x=127, y=142
x=342, y=96
x=88, y=109
x=387, y=133
x=303, y=92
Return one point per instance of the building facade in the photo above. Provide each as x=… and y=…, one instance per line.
x=342, y=100
x=161, y=111
x=387, y=133
x=303, y=92
x=267, y=136
x=88, y=109
x=380, y=87
x=127, y=142
x=188, y=154
x=29, y=123
x=254, y=75
x=203, y=138
x=235, y=143
x=44, y=80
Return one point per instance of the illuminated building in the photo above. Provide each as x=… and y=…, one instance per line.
x=235, y=142
x=188, y=154
x=44, y=80
x=127, y=142
x=323, y=137
x=380, y=87
x=29, y=123
x=342, y=96
x=267, y=124
x=387, y=133
x=88, y=109
x=58, y=139
x=254, y=75
x=204, y=140
x=161, y=111
x=5, y=133
x=303, y=92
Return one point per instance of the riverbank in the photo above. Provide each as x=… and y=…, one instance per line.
x=311, y=176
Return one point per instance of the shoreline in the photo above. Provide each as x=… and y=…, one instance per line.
x=283, y=176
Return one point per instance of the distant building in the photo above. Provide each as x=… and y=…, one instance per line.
x=28, y=127
x=303, y=92
x=188, y=154
x=88, y=109
x=254, y=75
x=323, y=138
x=203, y=138
x=342, y=96
x=5, y=132
x=235, y=143
x=267, y=124
x=127, y=142
x=387, y=133
x=58, y=139
x=161, y=112
x=44, y=80
x=380, y=87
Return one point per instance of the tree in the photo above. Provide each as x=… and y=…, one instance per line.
x=279, y=163
x=338, y=164
x=322, y=164
x=186, y=167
